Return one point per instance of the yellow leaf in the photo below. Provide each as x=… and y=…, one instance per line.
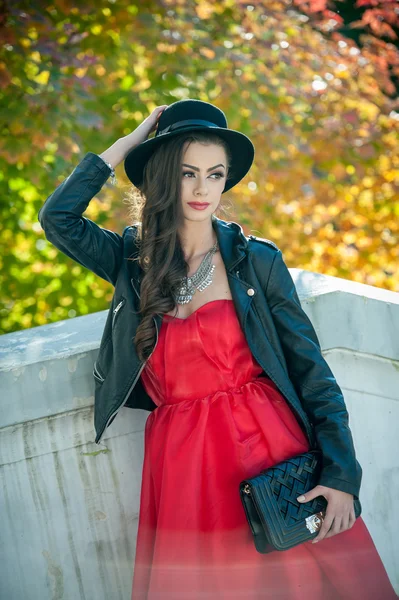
x=392, y=175
x=42, y=78
x=81, y=72
x=368, y=182
x=35, y=56
x=96, y=29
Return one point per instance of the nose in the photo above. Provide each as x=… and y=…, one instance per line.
x=201, y=187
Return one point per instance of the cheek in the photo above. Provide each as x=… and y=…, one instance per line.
x=185, y=187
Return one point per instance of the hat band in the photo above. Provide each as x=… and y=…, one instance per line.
x=180, y=124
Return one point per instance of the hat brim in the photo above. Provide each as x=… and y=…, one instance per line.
x=242, y=151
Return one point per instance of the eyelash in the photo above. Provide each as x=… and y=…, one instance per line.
x=191, y=173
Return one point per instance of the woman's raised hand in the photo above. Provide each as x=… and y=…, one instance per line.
x=141, y=133
x=116, y=153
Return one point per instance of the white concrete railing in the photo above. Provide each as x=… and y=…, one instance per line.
x=69, y=507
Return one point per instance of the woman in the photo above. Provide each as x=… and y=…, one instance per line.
x=226, y=361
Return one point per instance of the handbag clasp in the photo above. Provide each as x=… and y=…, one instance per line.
x=314, y=522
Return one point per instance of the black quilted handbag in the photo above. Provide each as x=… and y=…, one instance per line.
x=277, y=520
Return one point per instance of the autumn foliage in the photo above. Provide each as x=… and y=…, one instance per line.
x=320, y=106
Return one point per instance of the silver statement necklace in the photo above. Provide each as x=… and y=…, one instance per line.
x=200, y=280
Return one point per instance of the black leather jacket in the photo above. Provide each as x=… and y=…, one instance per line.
x=278, y=331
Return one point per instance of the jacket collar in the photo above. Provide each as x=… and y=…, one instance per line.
x=233, y=244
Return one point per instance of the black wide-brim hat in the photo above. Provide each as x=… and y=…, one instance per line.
x=188, y=115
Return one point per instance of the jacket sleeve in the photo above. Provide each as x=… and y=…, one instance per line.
x=314, y=382
x=92, y=246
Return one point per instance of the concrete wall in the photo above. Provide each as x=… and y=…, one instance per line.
x=69, y=507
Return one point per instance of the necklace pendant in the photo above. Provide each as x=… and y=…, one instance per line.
x=201, y=279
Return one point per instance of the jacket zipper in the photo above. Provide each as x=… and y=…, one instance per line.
x=97, y=373
x=135, y=379
x=115, y=312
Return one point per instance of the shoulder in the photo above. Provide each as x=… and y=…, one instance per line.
x=264, y=255
x=261, y=245
x=268, y=260
x=131, y=232
x=131, y=238
x=255, y=243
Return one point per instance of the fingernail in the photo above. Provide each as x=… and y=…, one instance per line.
x=301, y=498
x=315, y=541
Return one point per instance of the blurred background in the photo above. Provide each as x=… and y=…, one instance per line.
x=314, y=84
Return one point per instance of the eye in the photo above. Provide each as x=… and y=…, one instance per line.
x=220, y=175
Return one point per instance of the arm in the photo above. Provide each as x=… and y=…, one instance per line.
x=92, y=246
x=314, y=381
x=97, y=249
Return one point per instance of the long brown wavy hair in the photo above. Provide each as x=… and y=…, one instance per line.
x=156, y=210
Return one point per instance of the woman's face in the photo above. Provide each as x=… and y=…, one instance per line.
x=203, y=176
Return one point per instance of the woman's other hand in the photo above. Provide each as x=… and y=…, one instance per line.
x=340, y=512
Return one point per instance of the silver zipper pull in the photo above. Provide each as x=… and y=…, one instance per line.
x=96, y=373
x=115, y=311
x=118, y=307
x=246, y=489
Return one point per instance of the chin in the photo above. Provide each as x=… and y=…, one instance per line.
x=199, y=217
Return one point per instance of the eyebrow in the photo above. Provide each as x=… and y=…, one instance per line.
x=197, y=169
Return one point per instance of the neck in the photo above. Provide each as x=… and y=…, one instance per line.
x=196, y=239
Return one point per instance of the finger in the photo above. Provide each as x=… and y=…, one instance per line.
x=345, y=522
x=336, y=528
x=352, y=518
x=311, y=494
x=348, y=519
x=159, y=115
x=156, y=113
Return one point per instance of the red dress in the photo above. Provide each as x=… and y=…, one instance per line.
x=217, y=422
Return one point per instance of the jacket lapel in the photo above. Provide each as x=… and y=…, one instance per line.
x=233, y=244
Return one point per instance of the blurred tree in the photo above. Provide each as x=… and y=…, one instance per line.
x=372, y=24
x=324, y=184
